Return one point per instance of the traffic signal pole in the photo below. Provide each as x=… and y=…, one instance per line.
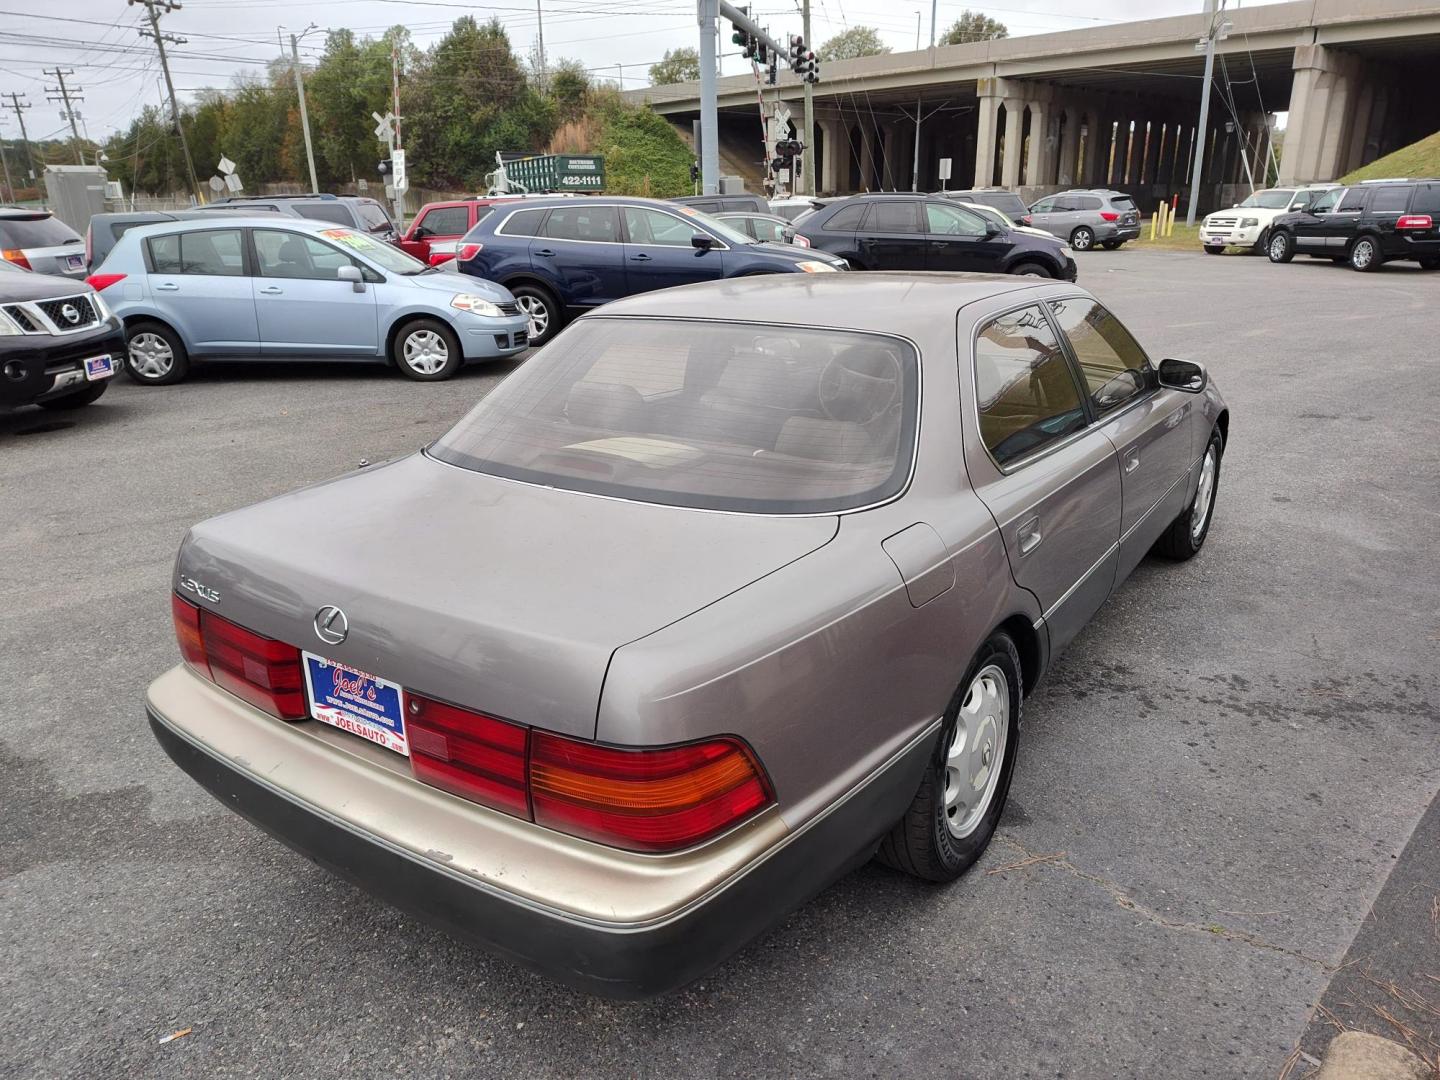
x=709, y=12
x=808, y=163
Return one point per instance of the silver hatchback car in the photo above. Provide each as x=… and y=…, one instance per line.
x=769, y=567
x=273, y=288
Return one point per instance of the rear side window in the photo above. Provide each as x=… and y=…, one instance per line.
x=727, y=416
x=373, y=217
x=332, y=212
x=1391, y=200
x=524, y=223
x=211, y=252
x=446, y=221
x=846, y=219
x=1427, y=200
x=597, y=224
x=1024, y=387
x=894, y=217
x=1354, y=200
x=1114, y=367
x=1087, y=202
x=35, y=232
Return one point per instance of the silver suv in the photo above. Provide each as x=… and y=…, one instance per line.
x=38, y=240
x=1087, y=217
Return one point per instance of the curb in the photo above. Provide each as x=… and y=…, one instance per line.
x=1357, y=1055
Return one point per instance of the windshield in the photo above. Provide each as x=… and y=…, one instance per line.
x=990, y=214
x=378, y=252
x=1272, y=199
x=729, y=234
x=717, y=416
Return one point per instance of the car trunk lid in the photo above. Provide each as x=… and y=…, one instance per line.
x=491, y=594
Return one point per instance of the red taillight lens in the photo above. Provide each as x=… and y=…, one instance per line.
x=1414, y=221
x=101, y=282
x=644, y=800
x=800, y=241
x=254, y=668
x=16, y=256
x=187, y=633
x=89, y=247
x=1109, y=215
x=1026, y=219
x=467, y=252
x=468, y=754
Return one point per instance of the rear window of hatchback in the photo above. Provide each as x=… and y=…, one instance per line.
x=35, y=232
x=713, y=416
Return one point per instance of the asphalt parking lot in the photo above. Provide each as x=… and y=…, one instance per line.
x=1224, y=769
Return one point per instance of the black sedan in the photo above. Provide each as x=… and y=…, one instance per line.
x=918, y=232
x=59, y=343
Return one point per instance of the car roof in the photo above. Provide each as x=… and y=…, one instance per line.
x=853, y=301
x=259, y=221
x=24, y=212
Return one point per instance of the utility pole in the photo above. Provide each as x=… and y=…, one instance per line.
x=20, y=107
x=915, y=165
x=304, y=113
x=709, y=14
x=1212, y=31
x=540, y=33
x=62, y=95
x=808, y=161
x=167, y=6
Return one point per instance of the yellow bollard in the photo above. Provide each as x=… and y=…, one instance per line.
x=1169, y=220
x=1155, y=220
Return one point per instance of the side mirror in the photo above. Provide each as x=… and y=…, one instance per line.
x=991, y=229
x=702, y=241
x=351, y=274
x=419, y=233
x=1183, y=375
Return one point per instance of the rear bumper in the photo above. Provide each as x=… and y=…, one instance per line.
x=1110, y=230
x=680, y=915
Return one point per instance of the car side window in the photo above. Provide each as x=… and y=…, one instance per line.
x=1391, y=200
x=762, y=229
x=1088, y=202
x=445, y=221
x=646, y=226
x=597, y=224
x=1114, y=366
x=211, y=252
x=952, y=221
x=1354, y=201
x=373, y=217
x=1044, y=206
x=1427, y=200
x=523, y=223
x=894, y=217
x=1024, y=386
x=1327, y=201
x=294, y=255
x=846, y=219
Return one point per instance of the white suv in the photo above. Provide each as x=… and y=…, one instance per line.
x=1248, y=223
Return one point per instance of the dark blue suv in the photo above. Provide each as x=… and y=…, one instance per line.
x=564, y=255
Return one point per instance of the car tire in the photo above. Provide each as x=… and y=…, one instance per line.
x=1111, y=245
x=543, y=310
x=154, y=354
x=940, y=836
x=1430, y=264
x=1262, y=242
x=1186, y=534
x=1214, y=249
x=77, y=399
x=1281, y=247
x=1365, y=255
x=426, y=350
x=855, y=264
x=1082, y=238
x=1030, y=269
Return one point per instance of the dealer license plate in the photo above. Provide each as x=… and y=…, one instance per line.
x=74, y=262
x=357, y=702
x=99, y=367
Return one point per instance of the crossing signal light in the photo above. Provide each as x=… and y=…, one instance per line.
x=788, y=148
x=811, y=74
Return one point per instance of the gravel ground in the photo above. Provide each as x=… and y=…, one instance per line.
x=1231, y=759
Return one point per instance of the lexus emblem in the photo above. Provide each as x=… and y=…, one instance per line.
x=331, y=626
x=71, y=313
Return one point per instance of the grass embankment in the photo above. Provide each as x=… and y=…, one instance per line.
x=1182, y=238
x=644, y=154
x=1418, y=159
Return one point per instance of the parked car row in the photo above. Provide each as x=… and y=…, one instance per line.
x=1366, y=225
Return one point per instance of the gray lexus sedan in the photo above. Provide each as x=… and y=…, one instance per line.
x=727, y=590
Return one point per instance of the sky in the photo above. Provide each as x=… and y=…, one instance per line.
x=117, y=73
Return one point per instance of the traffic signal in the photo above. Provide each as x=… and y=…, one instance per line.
x=694, y=172
x=797, y=54
x=811, y=74
x=384, y=167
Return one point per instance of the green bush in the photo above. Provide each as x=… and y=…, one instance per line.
x=644, y=155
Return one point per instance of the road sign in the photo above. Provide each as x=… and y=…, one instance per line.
x=226, y=165
x=384, y=127
x=944, y=168
x=233, y=182
x=217, y=185
x=397, y=170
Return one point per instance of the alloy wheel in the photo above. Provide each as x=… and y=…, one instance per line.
x=1363, y=254
x=535, y=309
x=1082, y=240
x=425, y=351
x=150, y=355
x=976, y=752
x=1204, y=497
x=1277, y=247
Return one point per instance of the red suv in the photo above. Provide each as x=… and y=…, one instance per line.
x=433, y=234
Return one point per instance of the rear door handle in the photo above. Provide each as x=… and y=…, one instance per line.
x=1132, y=459
x=642, y=257
x=272, y=290
x=1028, y=537
x=545, y=251
x=167, y=286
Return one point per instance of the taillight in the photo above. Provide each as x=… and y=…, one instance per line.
x=254, y=668
x=644, y=800
x=89, y=247
x=468, y=754
x=1414, y=221
x=1109, y=215
x=16, y=256
x=469, y=251
x=1026, y=219
x=101, y=282
x=800, y=241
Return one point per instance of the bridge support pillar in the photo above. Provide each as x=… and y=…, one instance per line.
x=1014, y=142
x=1036, y=156
x=1320, y=103
x=1069, y=146
x=832, y=145
x=987, y=131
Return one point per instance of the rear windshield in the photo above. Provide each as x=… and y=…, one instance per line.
x=373, y=217
x=1122, y=202
x=762, y=419
x=35, y=233
x=1005, y=201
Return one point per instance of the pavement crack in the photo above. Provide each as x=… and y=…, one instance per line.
x=1122, y=899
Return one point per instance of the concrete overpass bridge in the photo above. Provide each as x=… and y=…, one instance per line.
x=1117, y=105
